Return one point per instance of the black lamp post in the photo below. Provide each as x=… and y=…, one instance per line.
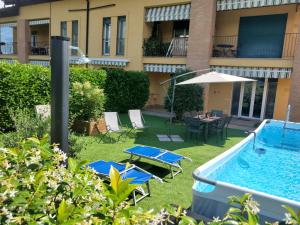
x=60, y=91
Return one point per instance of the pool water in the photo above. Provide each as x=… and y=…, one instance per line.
x=272, y=166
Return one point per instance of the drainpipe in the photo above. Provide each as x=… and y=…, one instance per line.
x=87, y=27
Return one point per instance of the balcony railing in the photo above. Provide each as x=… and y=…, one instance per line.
x=231, y=47
x=8, y=48
x=39, y=48
x=176, y=48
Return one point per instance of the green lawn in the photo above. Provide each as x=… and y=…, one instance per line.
x=172, y=191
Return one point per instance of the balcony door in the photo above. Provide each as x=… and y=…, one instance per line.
x=254, y=100
x=261, y=36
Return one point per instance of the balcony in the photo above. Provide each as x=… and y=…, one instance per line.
x=262, y=48
x=8, y=48
x=39, y=48
x=176, y=48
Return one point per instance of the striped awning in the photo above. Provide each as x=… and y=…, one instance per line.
x=40, y=62
x=39, y=22
x=168, y=13
x=242, y=4
x=8, y=25
x=164, y=68
x=254, y=72
x=103, y=61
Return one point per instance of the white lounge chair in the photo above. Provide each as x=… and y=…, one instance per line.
x=113, y=124
x=136, y=118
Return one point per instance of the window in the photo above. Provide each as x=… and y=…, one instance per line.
x=34, y=39
x=106, y=33
x=74, y=36
x=63, y=29
x=7, y=39
x=121, y=35
x=181, y=28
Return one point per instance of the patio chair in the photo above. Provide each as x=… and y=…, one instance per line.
x=138, y=176
x=159, y=155
x=221, y=125
x=136, y=118
x=194, y=127
x=113, y=125
x=228, y=120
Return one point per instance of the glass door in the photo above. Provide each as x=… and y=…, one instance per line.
x=259, y=94
x=235, y=102
x=270, y=105
x=246, y=105
x=254, y=99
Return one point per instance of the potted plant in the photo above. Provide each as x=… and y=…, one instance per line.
x=86, y=108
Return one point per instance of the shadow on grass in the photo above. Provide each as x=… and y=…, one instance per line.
x=157, y=170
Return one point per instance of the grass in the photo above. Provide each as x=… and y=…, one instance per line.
x=172, y=191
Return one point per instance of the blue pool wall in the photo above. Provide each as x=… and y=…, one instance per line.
x=215, y=203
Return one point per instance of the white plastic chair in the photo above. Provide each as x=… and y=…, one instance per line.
x=136, y=118
x=113, y=124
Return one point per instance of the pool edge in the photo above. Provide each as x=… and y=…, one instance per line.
x=215, y=203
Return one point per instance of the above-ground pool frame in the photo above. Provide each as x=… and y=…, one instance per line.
x=215, y=203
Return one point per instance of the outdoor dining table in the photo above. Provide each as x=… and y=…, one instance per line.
x=207, y=121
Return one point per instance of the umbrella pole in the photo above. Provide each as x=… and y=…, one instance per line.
x=172, y=106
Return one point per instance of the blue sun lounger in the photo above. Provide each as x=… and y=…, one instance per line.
x=138, y=176
x=160, y=155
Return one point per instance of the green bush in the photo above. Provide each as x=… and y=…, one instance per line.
x=126, y=90
x=77, y=144
x=22, y=86
x=26, y=125
x=187, y=97
x=25, y=85
x=86, y=101
x=96, y=77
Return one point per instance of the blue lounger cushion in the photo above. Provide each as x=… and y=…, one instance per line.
x=103, y=167
x=156, y=153
x=137, y=176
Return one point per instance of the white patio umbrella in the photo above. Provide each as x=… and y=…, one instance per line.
x=215, y=77
x=207, y=78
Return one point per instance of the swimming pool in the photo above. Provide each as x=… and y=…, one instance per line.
x=266, y=163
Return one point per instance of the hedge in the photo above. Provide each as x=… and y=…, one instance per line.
x=126, y=90
x=25, y=85
x=96, y=77
x=22, y=86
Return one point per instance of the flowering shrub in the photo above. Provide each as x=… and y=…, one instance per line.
x=37, y=188
x=86, y=101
